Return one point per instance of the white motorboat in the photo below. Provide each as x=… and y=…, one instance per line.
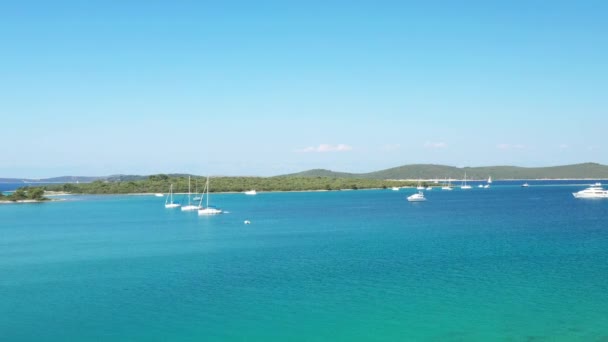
x=395, y=188
x=419, y=197
x=250, y=192
x=159, y=195
x=593, y=191
x=525, y=185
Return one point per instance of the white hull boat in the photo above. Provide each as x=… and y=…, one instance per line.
x=169, y=201
x=190, y=206
x=447, y=187
x=464, y=185
x=591, y=192
x=419, y=197
x=207, y=210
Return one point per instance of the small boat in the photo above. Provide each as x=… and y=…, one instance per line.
x=420, y=187
x=464, y=185
x=593, y=191
x=196, y=195
x=395, y=188
x=159, y=195
x=480, y=186
x=207, y=210
x=488, y=183
x=429, y=188
x=169, y=201
x=190, y=206
x=449, y=186
x=525, y=185
x=250, y=192
x=419, y=197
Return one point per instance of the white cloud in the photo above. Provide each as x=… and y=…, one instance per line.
x=510, y=146
x=391, y=147
x=326, y=148
x=440, y=144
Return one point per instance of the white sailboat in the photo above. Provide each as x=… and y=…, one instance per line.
x=169, y=201
x=190, y=206
x=464, y=185
x=419, y=187
x=489, y=182
x=449, y=186
x=207, y=210
x=196, y=197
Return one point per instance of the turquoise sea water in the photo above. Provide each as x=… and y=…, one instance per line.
x=505, y=264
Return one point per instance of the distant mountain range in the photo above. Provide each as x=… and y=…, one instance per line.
x=75, y=179
x=413, y=171
x=432, y=171
x=62, y=179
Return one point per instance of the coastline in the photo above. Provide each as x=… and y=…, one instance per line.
x=294, y=191
x=31, y=201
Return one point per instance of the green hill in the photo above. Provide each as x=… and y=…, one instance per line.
x=323, y=173
x=432, y=171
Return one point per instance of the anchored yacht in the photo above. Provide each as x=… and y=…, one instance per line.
x=419, y=197
x=593, y=191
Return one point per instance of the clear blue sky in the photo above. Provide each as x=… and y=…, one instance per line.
x=264, y=87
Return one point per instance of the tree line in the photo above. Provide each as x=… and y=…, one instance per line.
x=25, y=193
x=160, y=184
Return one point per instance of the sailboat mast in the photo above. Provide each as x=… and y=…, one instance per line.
x=207, y=186
x=188, y=190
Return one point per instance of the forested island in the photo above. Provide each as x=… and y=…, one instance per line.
x=310, y=180
x=25, y=194
x=160, y=184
